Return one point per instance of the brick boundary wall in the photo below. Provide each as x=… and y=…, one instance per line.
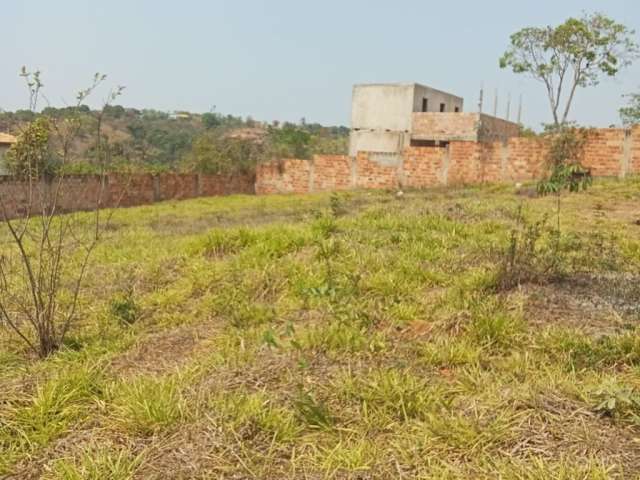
x=608, y=152
x=83, y=192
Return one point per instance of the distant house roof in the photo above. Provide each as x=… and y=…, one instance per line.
x=7, y=139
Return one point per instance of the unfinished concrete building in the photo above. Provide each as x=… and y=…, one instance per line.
x=387, y=118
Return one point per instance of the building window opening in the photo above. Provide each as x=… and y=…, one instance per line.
x=442, y=107
x=429, y=143
x=425, y=104
x=457, y=109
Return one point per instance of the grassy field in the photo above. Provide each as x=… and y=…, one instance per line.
x=359, y=335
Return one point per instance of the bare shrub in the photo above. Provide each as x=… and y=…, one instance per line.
x=531, y=255
x=45, y=256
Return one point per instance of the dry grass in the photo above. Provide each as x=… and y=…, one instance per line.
x=356, y=337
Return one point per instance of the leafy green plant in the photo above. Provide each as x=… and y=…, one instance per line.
x=618, y=402
x=564, y=155
x=312, y=411
x=124, y=307
x=336, y=202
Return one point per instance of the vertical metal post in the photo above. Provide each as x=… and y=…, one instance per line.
x=520, y=110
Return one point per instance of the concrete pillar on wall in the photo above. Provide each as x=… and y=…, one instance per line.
x=105, y=194
x=312, y=174
x=504, y=161
x=443, y=174
x=198, y=185
x=625, y=161
x=354, y=171
x=400, y=172
x=156, y=189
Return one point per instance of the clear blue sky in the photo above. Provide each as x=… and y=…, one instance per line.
x=286, y=59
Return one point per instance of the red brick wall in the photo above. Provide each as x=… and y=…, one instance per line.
x=445, y=126
x=490, y=161
x=464, y=159
x=322, y=173
x=608, y=152
x=634, y=164
x=372, y=174
x=425, y=167
x=603, y=151
x=129, y=190
x=283, y=176
x=331, y=172
x=525, y=159
x=83, y=192
x=492, y=129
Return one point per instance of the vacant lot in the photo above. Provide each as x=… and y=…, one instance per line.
x=360, y=335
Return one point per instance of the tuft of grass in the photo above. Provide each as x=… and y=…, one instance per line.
x=352, y=456
x=254, y=413
x=224, y=242
x=451, y=352
x=145, y=406
x=395, y=394
x=579, y=351
x=49, y=413
x=339, y=337
x=97, y=464
x=55, y=405
x=124, y=307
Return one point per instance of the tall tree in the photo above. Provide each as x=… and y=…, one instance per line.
x=630, y=114
x=576, y=53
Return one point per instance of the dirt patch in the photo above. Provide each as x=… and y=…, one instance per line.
x=161, y=352
x=203, y=450
x=595, y=304
x=560, y=427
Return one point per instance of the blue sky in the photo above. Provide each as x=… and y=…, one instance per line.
x=286, y=59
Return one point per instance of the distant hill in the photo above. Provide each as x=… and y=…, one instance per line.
x=154, y=140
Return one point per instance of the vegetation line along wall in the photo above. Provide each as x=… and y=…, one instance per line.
x=608, y=152
x=83, y=192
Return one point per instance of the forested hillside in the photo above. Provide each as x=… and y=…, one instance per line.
x=152, y=140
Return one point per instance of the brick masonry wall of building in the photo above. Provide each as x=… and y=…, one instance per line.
x=84, y=192
x=608, y=153
x=461, y=127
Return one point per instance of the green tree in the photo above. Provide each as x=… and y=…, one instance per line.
x=576, y=53
x=31, y=156
x=630, y=114
x=290, y=142
x=215, y=153
x=211, y=120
